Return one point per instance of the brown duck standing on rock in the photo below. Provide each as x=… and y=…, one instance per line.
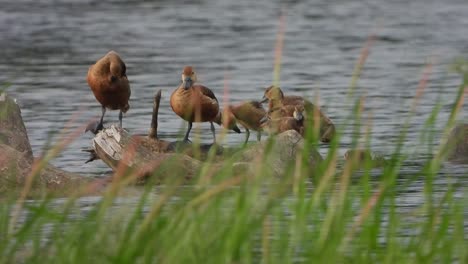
x=283, y=106
x=108, y=80
x=194, y=102
x=248, y=114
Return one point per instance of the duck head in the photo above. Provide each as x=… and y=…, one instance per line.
x=272, y=93
x=188, y=77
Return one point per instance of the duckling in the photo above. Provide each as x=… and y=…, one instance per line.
x=279, y=125
x=108, y=80
x=274, y=95
x=194, y=102
x=248, y=114
x=283, y=106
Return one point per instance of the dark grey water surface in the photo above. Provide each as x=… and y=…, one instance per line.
x=46, y=48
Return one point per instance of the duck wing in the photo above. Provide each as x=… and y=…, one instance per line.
x=205, y=91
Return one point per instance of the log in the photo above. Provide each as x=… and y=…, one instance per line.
x=153, y=133
x=142, y=156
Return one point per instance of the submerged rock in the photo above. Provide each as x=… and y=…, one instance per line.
x=364, y=157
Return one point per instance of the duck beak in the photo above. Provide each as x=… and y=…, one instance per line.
x=264, y=100
x=188, y=83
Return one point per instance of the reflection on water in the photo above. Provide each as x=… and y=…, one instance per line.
x=47, y=47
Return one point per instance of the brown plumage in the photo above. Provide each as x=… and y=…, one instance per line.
x=281, y=124
x=284, y=106
x=248, y=114
x=108, y=80
x=194, y=102
x=276, y=98
x=227, y=119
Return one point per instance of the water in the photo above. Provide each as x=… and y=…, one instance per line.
x=47, y=46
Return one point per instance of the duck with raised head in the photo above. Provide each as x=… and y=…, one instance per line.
x=194, y=102
x=278, y=125
x=108, y=80
x=276, y=98
x=280, y=106
x=248, y=114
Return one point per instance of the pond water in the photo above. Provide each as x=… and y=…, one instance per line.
x=47, y=46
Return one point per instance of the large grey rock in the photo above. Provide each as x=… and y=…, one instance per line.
x=457, y=144
x=15, y=168
x=285, y=148
x=12, y=130
x=16, y=157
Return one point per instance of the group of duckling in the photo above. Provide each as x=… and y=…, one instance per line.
x=194, y=102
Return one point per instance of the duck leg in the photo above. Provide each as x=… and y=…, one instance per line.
x=247, y=135
x=188, y=132
x=120, y=118
x=213, y=131
x=100, y=126
x=259, y=135
x=95, y=127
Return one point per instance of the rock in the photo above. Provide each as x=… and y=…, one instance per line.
x=284, y=149
x=12, y=130
x=15, y=168
x=457, y=144
x=327, y=130
x=16, y=157
x=239, y=168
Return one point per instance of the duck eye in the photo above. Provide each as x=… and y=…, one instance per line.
x=192, y=72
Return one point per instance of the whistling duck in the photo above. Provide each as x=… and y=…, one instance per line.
x=108, y=80
x=281, y=106
x=194, y=102
x=279, y=125
x=248, y=114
